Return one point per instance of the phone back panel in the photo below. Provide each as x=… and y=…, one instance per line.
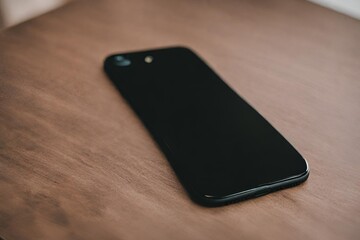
x=218, y=145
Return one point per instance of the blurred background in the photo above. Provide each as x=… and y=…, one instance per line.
x=13, y=12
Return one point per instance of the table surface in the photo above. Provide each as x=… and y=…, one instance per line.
x=76, y=162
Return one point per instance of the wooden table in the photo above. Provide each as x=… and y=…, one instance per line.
x=76, y=163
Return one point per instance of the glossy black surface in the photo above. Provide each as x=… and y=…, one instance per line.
x=219, y=146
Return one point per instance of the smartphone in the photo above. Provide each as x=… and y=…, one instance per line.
x=221, y=149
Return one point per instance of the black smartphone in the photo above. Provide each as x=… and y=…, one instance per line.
x=221, y=148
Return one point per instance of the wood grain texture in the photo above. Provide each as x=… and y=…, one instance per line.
x=76, y=163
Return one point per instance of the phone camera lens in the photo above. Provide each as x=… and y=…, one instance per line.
x=148, y=59
x=121, y=61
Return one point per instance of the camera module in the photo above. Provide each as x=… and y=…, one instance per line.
x=121, y=61
x=148, y=59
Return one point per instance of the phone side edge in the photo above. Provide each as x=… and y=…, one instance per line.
x=251, y=193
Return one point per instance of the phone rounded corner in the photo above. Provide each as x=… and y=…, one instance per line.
x=107, y=61
x=185, y=48
x=305, y=174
